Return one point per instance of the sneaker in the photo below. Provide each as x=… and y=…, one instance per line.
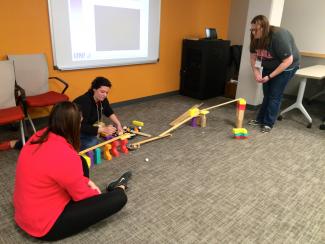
x=19, y=143
x=266, y=129
x=254, y=122
x=122, y=181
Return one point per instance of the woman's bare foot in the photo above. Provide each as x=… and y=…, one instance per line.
x=121, y=186
x=13, y=143
x=7, y=145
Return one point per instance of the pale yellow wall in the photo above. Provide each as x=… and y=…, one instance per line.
x=24, y=26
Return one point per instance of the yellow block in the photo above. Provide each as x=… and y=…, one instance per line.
x=137, y=123
x=194, y=112
x=87, y=160
x=242, y=101
x=204, y=112
x=125, y=136
x=239, y=131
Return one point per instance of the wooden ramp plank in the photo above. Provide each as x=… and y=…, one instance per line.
x=184, y=115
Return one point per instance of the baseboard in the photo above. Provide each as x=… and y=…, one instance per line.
x=144, y=99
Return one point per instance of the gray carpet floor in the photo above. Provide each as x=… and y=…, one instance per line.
x=203, y=186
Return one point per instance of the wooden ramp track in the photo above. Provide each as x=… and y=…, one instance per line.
x=222, y=104
x=140, y=133
x=162, y=135
x=188, y=116
x=184, y=115
x=177, y=125
x=137, y=145
x=182, y=119
x=121, y=137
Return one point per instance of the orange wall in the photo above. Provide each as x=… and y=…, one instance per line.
x=24, y=26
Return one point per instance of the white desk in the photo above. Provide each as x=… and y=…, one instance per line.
x=313, y=72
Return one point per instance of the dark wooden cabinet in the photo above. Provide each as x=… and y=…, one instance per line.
x=204, y=68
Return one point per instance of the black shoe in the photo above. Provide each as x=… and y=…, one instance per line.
x=266, y=129
x=254, y=122
x=122, y=181
x=19, y=144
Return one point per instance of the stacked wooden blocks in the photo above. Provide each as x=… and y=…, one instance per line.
x=239, y=132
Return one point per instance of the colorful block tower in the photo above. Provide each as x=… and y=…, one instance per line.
x=240, y=132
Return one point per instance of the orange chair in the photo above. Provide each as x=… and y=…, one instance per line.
x=32, y=75
x=9, y=111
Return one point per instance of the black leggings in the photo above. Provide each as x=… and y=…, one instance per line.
x=77, y=216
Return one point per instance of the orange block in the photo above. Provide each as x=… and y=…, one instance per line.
x=107, y=154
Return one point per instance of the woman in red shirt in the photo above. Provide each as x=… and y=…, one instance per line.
x=54, y=197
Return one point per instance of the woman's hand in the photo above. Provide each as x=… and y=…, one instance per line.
x=264, y=79
x=120, y=130
x=107, y=130
x=258, y=76
x=93, y=186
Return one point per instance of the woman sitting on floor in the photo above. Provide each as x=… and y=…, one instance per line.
x=53, y=196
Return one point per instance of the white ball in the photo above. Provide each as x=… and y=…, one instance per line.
x=147, y=159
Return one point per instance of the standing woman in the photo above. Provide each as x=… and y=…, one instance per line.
x=53, y=196
x=274, y=59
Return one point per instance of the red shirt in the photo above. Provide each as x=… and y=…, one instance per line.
x=48, y=176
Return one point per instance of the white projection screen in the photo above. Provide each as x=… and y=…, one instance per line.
x=103, y=33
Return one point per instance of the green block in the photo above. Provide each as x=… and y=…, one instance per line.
x=98, y=156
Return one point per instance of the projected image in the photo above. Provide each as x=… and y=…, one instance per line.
x=108, y=29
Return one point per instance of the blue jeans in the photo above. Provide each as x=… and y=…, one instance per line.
x=273, y=93
x=87, y=141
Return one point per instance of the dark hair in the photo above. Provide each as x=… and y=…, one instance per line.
x=98, y=82
x=264, y=40
x=64, y=120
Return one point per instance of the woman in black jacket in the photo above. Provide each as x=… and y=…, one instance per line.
x=94, y=104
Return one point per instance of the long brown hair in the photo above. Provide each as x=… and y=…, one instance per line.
x=64, y=120
x=264, y=41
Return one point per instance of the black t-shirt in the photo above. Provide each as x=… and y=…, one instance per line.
x=282, y=45
x=92, y=112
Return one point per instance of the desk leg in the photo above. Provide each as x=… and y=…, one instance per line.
x=298, y=103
